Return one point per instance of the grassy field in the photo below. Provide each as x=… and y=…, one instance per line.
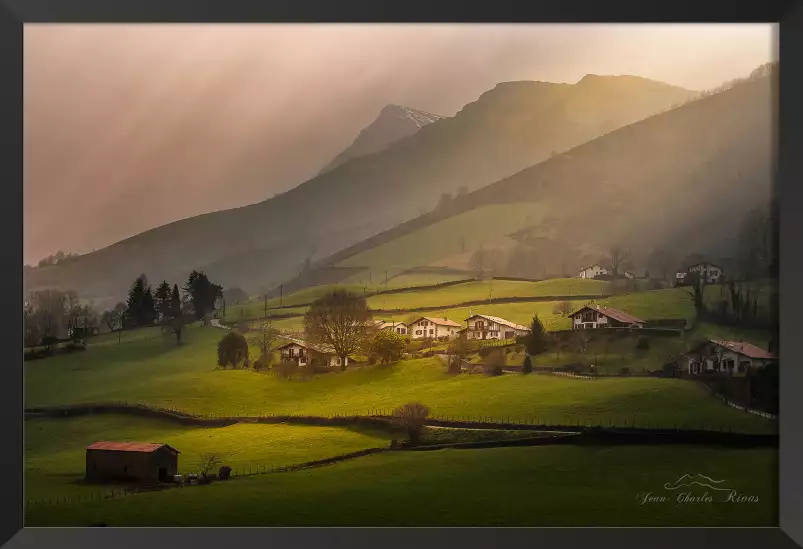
x=610, y=351
x=376, y=279
x=162, y=374
x=465, y=232
x=55, y=448
x=483, y=290
x=532, y=486
x=671, y=303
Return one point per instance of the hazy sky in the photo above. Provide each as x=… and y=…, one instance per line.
x=128, y=127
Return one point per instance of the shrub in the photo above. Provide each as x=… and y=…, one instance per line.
x=286, y=369
x=411, y=418
x=306, y=372
x=372, y=359
x=527, y=367
x=643, y=343
x=625, y=371
x=232, y=349
x=495, y=363
x=455, y=364
x=388, y=346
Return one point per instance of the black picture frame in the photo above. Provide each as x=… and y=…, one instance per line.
x=789, y=14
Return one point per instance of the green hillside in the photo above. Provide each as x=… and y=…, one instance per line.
x=706, y=159
x=159, y=373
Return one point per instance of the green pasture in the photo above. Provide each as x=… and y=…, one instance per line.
x=55, y=448
x=160, y=373
x=530, y=486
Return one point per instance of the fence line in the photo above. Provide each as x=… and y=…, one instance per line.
x=379, y=416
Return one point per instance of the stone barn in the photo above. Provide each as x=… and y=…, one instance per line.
x=131, y=461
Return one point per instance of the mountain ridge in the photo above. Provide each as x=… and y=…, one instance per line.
x=491, y=138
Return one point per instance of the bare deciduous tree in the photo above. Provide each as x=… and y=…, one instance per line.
x=563, y=308
x=619, y=259
x=264, y=340
x=208, y=462
x=341, y=320
x=411, y=417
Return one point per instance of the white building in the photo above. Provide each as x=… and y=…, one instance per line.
x=592, y=317
x=304, y=353
x=711, y=272
x=732, y=357
x=396, y=327
x=432, y=327
x=593, y=271
x=492, y=327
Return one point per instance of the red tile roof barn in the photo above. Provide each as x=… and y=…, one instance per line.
x=144, y=447
x=743, y=348
x=615, y=314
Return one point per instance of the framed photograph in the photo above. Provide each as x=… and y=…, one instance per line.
x=480, y=276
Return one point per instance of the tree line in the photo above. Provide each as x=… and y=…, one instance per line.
x=48, y=314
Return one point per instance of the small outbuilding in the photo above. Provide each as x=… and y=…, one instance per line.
x=131, y=461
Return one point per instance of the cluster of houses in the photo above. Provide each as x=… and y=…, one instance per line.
x=477, y=327
x=732, y=357
x=711, y=273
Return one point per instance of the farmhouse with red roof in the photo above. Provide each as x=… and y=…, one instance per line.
x=592, y=317
x=735, y=358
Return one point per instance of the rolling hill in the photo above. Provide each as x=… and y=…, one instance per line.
x=514, y=125
x=683, y=179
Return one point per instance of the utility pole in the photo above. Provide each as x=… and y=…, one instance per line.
x=281, y=294
x=266, y=304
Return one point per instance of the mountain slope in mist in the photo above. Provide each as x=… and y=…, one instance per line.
x=511, y=127
x=683, y=180
x=393, y=123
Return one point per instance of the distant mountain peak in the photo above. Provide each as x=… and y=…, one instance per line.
x=394, y=122
x=419, y=117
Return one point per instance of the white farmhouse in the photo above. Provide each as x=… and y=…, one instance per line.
x=396, y=327
x=304, y=353
x=492, y=327
x=732, y=357
x=592, y=317
x=593, y=271
x=711, y=273
x=432, y=327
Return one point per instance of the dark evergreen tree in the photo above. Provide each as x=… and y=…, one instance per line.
x=174, y=310
x=202, y=293
x=140, y=302
x=535, y=343
x=161, y=300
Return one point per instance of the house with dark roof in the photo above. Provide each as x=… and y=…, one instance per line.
x=492, y=327
x=592, y=317
x=427, y=326
x=303, y=353
x=708, y=271
x=131, y=461
x=734, y=358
